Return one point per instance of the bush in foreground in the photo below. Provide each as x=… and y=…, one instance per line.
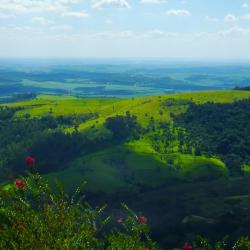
x=203, y=244
x=33, y=216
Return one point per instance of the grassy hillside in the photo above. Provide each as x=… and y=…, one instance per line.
x=143, y=162
x=168, y=165
x=63, y=105
x=122, y=170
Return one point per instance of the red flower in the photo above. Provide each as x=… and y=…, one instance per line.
x=120, y=221
x=20, y=183
x=187, y=246
x=30, y=161
x=143, y=219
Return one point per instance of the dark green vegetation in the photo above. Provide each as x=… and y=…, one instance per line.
x=116, y=79
x=162, y=155
x=20, y=136
x=219, y=129
x=243, y=88
x=32, y=216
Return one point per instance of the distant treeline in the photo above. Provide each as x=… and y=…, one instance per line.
x=18, y=97
x=243, y=88
x=132, y=82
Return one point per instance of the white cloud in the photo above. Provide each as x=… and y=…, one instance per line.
x=235, y=31
x=230, y=18
x=245, y=5
x=100, y=4
x=211, y=19
x=62, y=36
x=17, y=7
x=178, y=13
x=230, y=43
x=80, y=14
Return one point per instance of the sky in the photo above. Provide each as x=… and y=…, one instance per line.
x=168, y=29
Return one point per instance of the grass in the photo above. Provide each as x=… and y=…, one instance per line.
x=135, y=164
x=197, y=166
x=121, y=169
x=111, y=170
x=246, y=169
x=62, y=105
x=142, y=107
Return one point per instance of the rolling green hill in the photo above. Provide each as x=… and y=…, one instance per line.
x=122, y=170
x=139, y=163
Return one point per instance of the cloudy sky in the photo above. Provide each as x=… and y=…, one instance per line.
x=192, y=29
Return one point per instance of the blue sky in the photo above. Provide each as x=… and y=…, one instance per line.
x=188, y=29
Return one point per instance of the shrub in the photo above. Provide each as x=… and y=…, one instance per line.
x=35, y=216
x=123, y=127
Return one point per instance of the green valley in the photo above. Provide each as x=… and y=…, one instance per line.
x=143, y=151
x=145, y=154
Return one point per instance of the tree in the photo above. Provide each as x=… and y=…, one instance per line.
x=123, y=127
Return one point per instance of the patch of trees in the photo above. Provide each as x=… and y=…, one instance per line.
x=42, y=137
x=219, y=129
x=123, y=127
x=7, y=113
x=18, y=97
x=247, y=88
x=54, y=150
x=75, y=120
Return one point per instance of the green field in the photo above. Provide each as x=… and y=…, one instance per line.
x=136, y=163
x=119, y=169
x=63, y=105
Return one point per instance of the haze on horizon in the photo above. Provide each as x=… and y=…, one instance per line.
x=178, y=29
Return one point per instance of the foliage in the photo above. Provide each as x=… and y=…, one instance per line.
x=123, y=127
x=32, y=216
x=153, y=163
x=247, y=88
x=202, y=243
x=42, y=136
x=220, y=129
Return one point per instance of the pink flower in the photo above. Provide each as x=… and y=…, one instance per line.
x=187, y=246
x=20, y=183
x=143, y=219
x=30, y=161
x=120, y=221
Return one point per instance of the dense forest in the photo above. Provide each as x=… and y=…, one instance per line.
x=44, y=137
x=194, y=180
x=219, y=129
